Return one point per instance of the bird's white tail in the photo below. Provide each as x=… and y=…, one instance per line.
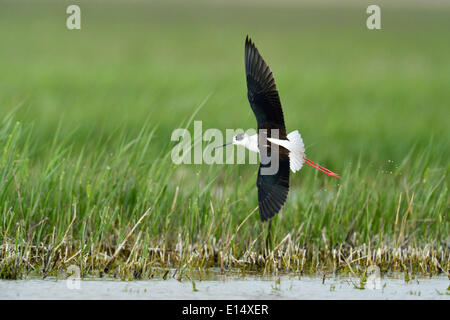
x=294, y=144
x=297, y=151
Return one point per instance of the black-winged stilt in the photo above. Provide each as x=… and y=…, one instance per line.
x=265, y=102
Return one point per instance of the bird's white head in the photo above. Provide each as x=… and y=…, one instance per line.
x=241, y=139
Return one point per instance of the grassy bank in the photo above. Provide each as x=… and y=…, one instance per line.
x=85, y=172
x=80, y=208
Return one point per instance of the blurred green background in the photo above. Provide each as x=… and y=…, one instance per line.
x=350, y=91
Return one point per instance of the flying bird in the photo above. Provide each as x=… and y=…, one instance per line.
x=264, y=100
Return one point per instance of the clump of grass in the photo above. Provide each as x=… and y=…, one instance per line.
x=92, y=210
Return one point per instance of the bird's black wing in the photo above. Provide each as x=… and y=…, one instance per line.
x=265, y=102
x=273, y=190
x=262, y=92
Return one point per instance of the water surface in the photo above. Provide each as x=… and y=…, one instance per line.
x=227, y=287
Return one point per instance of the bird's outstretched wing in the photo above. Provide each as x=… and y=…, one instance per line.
x=265, y=102
x=262, y=92
x=273, y=190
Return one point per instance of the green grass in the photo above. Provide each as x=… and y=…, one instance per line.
x=86, y=118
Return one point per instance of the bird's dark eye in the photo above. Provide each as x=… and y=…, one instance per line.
x=239, y=136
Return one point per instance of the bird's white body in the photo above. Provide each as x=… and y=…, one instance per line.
x=294, y=144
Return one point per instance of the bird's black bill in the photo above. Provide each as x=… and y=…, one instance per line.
x=226, y=144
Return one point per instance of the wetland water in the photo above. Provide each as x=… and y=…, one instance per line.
x=225, y=287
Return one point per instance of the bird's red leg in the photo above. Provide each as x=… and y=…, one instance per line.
x=320, y=168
